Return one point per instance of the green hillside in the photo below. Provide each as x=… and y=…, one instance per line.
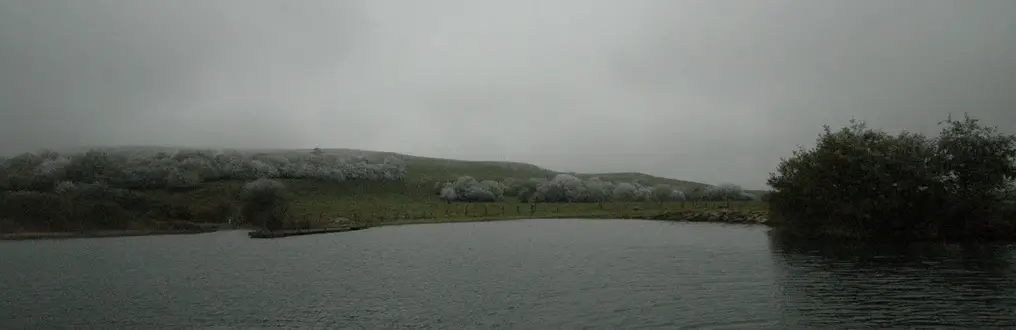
x=423, y=169
x=33, y=183
x=429, y=170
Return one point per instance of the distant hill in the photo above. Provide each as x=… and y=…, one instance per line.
x=423, y=169
x=429, y=169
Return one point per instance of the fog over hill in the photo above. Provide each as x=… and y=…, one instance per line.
x=710, y=91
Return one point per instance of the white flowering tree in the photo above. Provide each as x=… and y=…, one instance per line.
x=448, y=194
x=725, y=192
x=525, y=190
x=643, y=193
x=562, y=188
x=496, y=188
x=597, y=191
x=678, y=196
x=468, y=189
x=662, y=193
x=624, y=192
x=151, y=169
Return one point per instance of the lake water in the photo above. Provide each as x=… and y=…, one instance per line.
x=533, y=274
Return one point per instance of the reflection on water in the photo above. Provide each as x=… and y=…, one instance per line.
x=894, y=285
x=534, y=274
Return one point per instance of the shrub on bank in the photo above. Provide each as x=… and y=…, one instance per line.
x=725, y=192
x=562, y=188
x=567, y=188
x=468, y=189
x=72, y=208
x=862, y=183
x=265, y=204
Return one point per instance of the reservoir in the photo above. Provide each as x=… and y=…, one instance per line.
x=527, y=274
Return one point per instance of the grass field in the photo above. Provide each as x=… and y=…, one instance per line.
x=384, y=213
x=372, y=203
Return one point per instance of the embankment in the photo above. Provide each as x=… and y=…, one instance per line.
x=22, y=236
x=730, y=216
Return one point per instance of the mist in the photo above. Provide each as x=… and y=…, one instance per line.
x=709, y=91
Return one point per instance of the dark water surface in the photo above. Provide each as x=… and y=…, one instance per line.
x=534, y=274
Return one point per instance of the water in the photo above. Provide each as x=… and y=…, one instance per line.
x=534, y=274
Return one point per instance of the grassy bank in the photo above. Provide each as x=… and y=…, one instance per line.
x=433, y=213
x=373, y=203
x=316, y=204
x=24, y=236
x=378, y=210
x=734, y=212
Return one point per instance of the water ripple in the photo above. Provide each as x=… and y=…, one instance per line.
x=569, y=274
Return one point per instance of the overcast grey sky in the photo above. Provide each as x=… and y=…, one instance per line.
x=712, y=91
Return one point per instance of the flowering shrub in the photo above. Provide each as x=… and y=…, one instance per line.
x=143, y=169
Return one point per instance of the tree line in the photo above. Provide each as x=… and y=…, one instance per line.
x=859, y=182
x=566, y=188
x=145, y=169
x=108, y=188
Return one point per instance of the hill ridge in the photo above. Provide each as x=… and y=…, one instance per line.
x=432, y=169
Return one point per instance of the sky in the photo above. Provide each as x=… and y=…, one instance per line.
x=715, y=91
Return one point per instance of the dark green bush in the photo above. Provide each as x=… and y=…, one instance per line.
x=265, y=204
x=862, y=183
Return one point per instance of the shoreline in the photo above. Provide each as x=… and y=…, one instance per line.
x=30, y=236
x=734, y=217
x=723, y=216
x=300, y=232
